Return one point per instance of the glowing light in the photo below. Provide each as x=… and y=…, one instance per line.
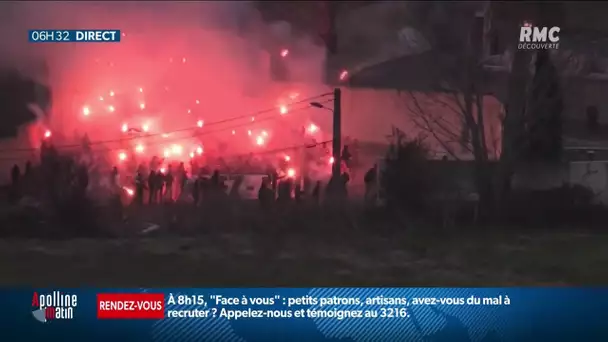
x=86, y=111
x=287, y=158
x=233, y=132
x=291, y=173
x=294, y=96
x=145, y=127
x=111, y=109
x=184, y=60
x=122, y=156
x=264, y=133
x=312, y=128
x=142, y=106
x=164, y=135
x=124, y=128
x=101, y=98
x=283, y=110
x=331, y=160
x=343, y=75
x=47, y=134
x=249, y=132
x=139, y=148
x=129, y=191
x=189, y=111
x=141, y=90
x=177, y=149
x=111, y=93
x=252, y=118
x=166, y=154
x=259, y=141
x=200, y=123
x=191, y=154
x=163, y=170
x=198, y=102
x=284, y=53
x=199, y=150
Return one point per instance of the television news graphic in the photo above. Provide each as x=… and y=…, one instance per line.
x=538, y=38
x=74, y=36
x=130, y=306
x=53, y=306
x=314, y=314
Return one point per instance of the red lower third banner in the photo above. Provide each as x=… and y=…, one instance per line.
x=130, y=306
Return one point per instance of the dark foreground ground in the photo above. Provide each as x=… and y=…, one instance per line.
x=304, y=248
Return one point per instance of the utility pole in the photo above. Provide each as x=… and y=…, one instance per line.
x=337, y=134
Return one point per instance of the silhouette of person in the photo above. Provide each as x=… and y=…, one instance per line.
x=183, y=177
x=139, y=188
x=14, y=188
x=346, y=156
x=196, y=190
x=152, y=186
x=15, y=175
x=82, y=177
x=265, y=195
x=158, y=186
x=298, y=193
x=370, y=181
x=316, y=192
x=169, y=184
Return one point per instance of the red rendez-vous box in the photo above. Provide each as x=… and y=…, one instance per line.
x=130, y=306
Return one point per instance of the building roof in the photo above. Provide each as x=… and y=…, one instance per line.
x=422, y=73
x=413, y=72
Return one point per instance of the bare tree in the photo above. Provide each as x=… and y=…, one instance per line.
x=452, y=108
x=17, y=93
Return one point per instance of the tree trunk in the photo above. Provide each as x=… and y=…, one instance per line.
x=513, y=137
x=513, y=123
x=473, y=106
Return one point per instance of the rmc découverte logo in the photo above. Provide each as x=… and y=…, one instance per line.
x=538, y=38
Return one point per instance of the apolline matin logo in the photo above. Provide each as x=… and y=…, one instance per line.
x=53, y=306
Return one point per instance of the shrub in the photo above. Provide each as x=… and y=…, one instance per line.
x=406, y=178
x=568, y=204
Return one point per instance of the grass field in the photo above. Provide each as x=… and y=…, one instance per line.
x=241, y=250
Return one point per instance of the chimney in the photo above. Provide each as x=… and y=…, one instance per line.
x=478, y=33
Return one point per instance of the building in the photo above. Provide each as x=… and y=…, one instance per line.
x=393, y=78
x=387, y=57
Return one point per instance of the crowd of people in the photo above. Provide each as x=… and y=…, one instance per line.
x=60, y=176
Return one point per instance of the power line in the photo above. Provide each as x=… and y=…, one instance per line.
x=147, y=136
x=164, y=140
x=207, y=132
x=283, y=149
